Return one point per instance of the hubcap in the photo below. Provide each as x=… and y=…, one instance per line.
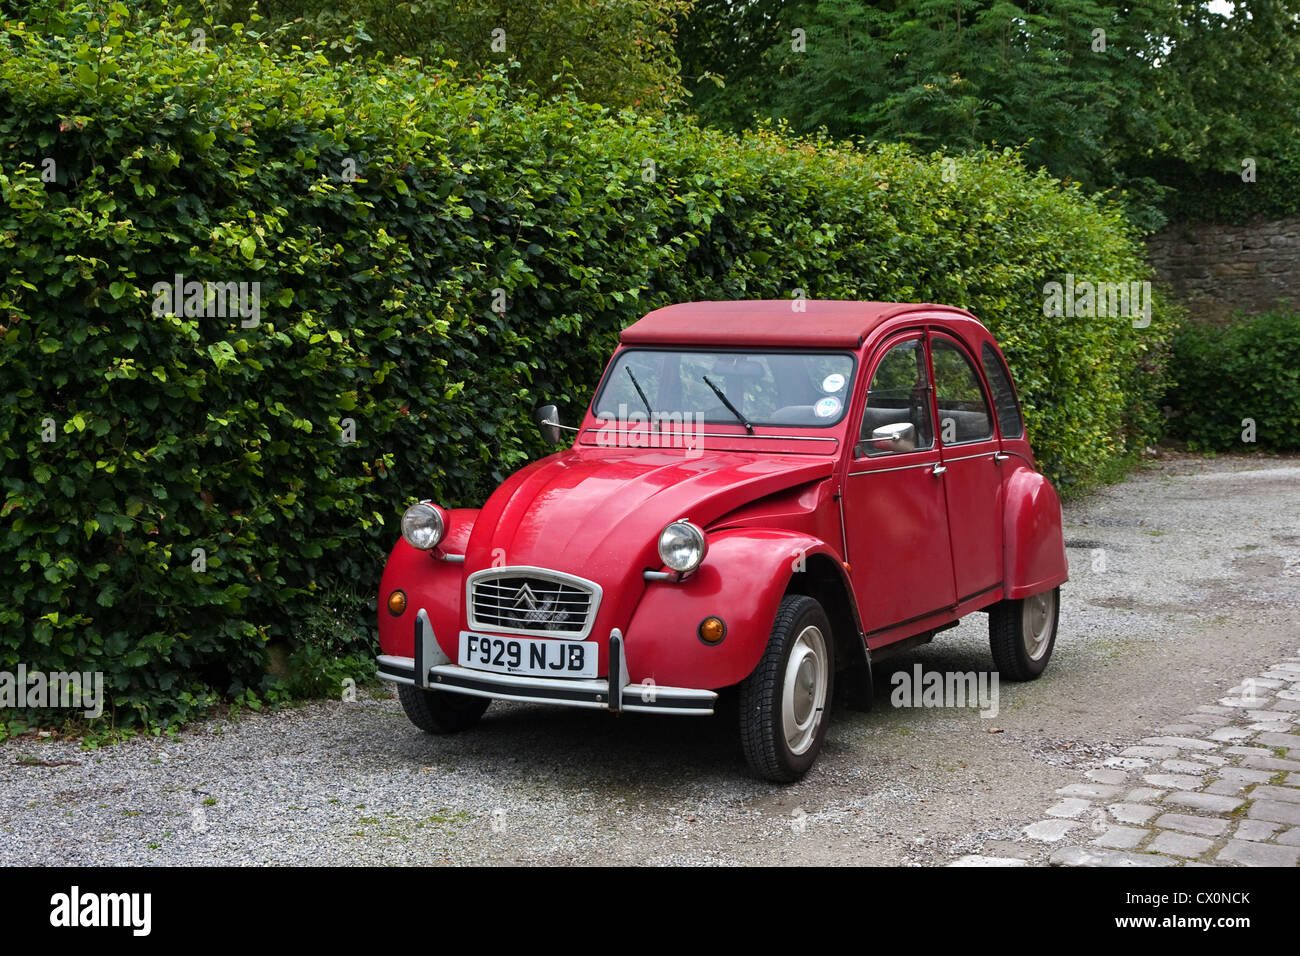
x=1036, y=623
x=803, y=694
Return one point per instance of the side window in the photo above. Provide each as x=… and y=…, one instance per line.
x=1004, y=395
x=899, y=394
x=963, y=407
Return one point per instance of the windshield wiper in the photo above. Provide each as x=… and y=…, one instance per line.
x=654, y=424
x=730, y=407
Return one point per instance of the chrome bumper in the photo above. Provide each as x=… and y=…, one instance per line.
x=432, y=669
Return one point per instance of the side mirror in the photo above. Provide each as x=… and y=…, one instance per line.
x=548, y=422
x=895, y=437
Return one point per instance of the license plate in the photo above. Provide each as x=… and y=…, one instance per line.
x=527, y=656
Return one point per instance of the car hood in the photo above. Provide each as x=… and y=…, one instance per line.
x=585, y=511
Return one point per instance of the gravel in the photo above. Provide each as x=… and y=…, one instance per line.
x=1185, y=579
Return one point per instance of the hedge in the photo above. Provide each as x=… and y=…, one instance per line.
x=1238, y=385
x=381, y=209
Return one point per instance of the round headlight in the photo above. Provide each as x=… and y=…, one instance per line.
x=682, y=546
x=423, y=526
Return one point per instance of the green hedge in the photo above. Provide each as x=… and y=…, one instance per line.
x=1238, y=385
x=228, y=164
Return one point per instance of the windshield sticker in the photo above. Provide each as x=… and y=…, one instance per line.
x=827, y=407
x=833, y=382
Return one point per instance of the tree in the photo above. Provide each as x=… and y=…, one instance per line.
x=732, y=39
x=1115, y=95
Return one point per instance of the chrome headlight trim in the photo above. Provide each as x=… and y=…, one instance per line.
x=423, y=526
x=682, y=546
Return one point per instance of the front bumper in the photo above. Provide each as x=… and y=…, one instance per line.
x=432, y=669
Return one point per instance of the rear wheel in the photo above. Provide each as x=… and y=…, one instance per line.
x=1022, y=634
x=784, y=703
x=437, y=712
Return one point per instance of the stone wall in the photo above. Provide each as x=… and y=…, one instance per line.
x=1215, y=270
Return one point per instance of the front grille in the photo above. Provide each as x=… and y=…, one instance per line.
x=532, y=601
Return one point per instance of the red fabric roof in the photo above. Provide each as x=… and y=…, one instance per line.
x=766, y=323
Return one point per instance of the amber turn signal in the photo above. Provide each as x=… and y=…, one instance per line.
x=712, y=630
x=396, y=603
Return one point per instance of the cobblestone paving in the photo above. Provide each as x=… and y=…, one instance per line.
x=1219, y=787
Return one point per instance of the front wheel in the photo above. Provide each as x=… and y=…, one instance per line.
x=784, y=703
x=1022, y=634
x=438, y=712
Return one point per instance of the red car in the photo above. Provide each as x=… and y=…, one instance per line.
x=763, y=495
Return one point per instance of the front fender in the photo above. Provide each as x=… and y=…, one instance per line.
x=1034, y=540
x=433, y=584
x=741, y=581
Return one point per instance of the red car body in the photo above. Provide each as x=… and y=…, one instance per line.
x=894, y=543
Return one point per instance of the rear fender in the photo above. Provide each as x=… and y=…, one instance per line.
x=1034, y=540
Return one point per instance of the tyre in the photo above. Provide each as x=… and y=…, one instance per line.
x=438, y=712
x=785, y=702
x=1022, y=634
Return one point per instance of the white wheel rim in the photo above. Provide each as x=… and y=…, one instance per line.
x=1038, y=619
x=803, y=691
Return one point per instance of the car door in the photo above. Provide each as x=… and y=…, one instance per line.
x=894, y=510
x=972, y=480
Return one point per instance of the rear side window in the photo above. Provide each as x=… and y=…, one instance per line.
x=963, y=407
x=1004, y=395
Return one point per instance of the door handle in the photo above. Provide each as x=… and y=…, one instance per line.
x=999, y=456
x=938, y=469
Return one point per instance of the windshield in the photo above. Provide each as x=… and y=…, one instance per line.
x=802, y=389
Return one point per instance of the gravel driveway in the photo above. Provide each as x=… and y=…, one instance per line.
x=1185, y=579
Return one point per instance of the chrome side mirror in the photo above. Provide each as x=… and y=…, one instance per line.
x=895, y=437
x=548, y=422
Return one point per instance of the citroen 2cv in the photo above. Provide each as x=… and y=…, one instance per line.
x=762, y=495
